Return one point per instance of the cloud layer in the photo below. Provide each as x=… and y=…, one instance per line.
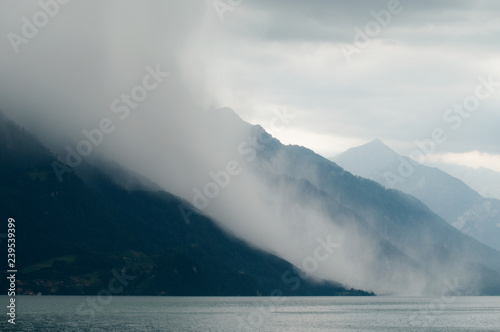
x=397, y=84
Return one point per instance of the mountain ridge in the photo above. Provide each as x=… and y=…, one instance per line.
x=380, y=231
x=448, y=196
x=483, y=180
x=71, y=237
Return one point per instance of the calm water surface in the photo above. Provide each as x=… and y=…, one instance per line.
x=221, y=314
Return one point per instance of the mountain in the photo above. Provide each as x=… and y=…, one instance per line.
x=483, y=180
x=412, y=243
x=78, y=235
x=74, y=236
x=446, y=195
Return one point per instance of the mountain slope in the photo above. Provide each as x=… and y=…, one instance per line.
x=389, y=242
x=483, y=180
x=71, y=238
x=387, y=218
x=449, y=197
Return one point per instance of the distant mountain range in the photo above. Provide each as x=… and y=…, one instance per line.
x=483, y=180
x=72, y=234
x=413, y=243
x=446, y=195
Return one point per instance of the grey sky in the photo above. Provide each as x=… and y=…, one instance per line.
x=267, y=54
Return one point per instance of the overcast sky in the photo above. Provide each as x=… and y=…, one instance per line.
x=346, y=77
x=397, y=85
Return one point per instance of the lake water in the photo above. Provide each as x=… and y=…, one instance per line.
x=221, y=314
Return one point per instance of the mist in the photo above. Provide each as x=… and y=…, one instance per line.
x=75, y=75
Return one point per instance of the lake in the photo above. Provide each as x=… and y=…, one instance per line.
x=221, y=314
